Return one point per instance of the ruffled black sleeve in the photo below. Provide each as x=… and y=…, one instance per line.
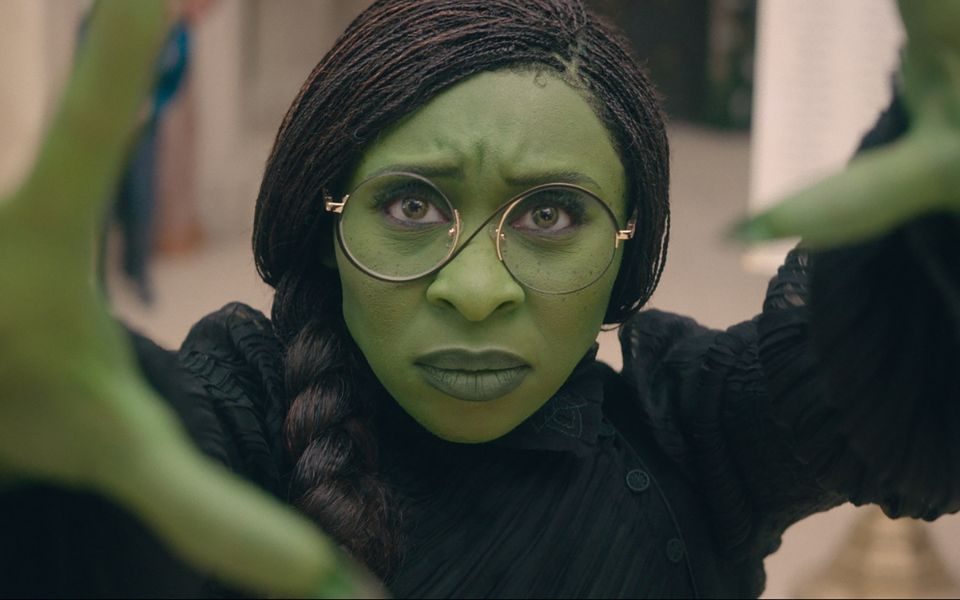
x=868, y=390
x=885, y=342
x=845, y=388
x=235, y=365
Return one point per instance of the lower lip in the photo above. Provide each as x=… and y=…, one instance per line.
x=474, y=386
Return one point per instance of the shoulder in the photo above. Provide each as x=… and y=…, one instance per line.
x=226, y=383
x=652, y=338
x=676, y=372
x=659, y=346
x=235, y=345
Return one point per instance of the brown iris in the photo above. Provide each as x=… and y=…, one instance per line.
x=414, y=208
x=545, y=216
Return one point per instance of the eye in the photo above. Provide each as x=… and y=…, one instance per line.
x=543, y=218
x=411, y=209
x=551, y=211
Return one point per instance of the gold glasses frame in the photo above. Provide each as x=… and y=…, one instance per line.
x=336, y=207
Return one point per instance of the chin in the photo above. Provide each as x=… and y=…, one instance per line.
x=467, y=438
x=479, y=431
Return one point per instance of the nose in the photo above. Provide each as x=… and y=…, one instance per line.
x=475, y=283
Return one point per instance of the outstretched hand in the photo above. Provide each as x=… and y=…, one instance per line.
x=74, y=409
x=918, y=174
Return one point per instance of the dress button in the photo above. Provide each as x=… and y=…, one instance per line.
x=675, y=550
x=638, y=480
x=606, y=429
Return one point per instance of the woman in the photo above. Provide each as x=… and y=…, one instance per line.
x=458, y=199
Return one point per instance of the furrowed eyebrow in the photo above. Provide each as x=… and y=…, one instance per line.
x=454, y=170
x=534, y=179
x=423, y=170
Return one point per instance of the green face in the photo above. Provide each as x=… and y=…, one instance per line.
x=469, y=352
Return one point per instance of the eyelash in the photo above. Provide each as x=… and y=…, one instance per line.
x=384, y=198
x=573, y=208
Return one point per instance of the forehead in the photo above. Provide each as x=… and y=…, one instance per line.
x=501, y=127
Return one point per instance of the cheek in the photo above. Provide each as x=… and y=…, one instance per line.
x=576, y=317
x=376, y=310
x=563, y=317
x=373, y=310
x=381, y=318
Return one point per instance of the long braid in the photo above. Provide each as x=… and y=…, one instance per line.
x=328, y=429
x=392, y=59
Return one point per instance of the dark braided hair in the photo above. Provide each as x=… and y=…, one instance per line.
x=391, y=60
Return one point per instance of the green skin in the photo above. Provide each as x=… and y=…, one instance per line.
x=487, y=134
x=75, y=411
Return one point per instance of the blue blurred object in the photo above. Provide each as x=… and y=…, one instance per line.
x=135, y=201
x=136, y=195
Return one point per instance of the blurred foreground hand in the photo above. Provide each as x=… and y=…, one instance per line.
x=74, y=410
x=917, y=174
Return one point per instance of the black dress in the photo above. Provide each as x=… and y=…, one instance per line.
x=674, y=478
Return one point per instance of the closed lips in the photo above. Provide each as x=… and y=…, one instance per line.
x=473, y=376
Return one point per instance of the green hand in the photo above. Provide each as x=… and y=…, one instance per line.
x=74, y=409
x=918, y=174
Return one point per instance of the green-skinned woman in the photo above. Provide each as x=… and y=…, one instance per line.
x=461, y=195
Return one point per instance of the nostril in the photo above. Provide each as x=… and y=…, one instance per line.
x=475, y=290
x=445, y=303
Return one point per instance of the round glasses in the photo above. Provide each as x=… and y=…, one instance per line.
x=555, y=238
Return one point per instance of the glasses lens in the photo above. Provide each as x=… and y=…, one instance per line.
x=398, y=226
x=558, y=239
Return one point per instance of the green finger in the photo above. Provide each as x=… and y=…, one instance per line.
x=83, y=150
x=875, y=193
x=211, y=518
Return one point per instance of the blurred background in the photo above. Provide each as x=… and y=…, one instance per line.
x=762, y=96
